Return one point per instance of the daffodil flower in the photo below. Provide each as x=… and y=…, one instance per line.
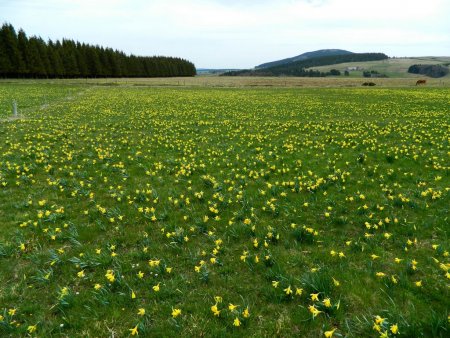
x=134, y=331
x=236, y=322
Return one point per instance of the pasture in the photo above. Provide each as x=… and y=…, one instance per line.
x=208, y=81
x=195, y=211
x=393, y=67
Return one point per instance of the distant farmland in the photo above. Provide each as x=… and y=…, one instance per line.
x=397, y=67
x=242, y=82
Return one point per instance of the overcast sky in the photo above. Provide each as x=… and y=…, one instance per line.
x=240, y=34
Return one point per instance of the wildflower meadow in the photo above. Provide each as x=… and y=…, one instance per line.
x=224, y=212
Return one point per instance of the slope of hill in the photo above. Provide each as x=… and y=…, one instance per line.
x=298, y=68
x=392, y=67
x=305, y=56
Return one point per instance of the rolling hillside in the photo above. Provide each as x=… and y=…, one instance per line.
x=393, y=67
x=299, y=68
x=305, y=56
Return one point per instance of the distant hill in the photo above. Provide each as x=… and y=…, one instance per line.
x=299, y=68
x=305, y=56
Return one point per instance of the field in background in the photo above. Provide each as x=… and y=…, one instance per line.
x=129, y=208
x=241, y=82
x=396, y=68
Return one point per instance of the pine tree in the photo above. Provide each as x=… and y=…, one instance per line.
x=10, y=51
x=35, y=64
x=81, y=60
x=69, y=59
x=55, y=60
x=5, y=62
x=43, y=53
x=93, y=62
x=22, y=43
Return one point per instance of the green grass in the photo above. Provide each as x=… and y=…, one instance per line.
x=242, y=194
x=31, y=96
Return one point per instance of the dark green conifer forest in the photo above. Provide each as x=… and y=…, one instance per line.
x=32, y=57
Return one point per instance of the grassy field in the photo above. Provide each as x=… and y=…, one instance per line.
x=233, y=82
x=397, y=68
x=133, y=209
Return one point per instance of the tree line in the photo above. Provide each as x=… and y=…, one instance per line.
x=299, y=68
x=429, y=70
x=32, y=57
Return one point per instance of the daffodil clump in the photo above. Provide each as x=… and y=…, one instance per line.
x=145, y=211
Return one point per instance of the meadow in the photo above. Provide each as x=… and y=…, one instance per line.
x=133, y=210
x=214, y=81
x=394, y=67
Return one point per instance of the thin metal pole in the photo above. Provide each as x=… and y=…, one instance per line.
x=14, y=108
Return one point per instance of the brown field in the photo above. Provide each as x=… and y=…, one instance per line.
x=236, y=82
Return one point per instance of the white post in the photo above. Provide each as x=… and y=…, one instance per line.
x=14, y=107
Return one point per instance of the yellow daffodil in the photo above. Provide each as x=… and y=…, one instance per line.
x=31, y=329
x=394, y=328
x=232, y=307
x=134, y=331
x=176, y=313
x=215, y=310
x=329, y=334
x=314, y=311
x=236, y=322
x=288, y=290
